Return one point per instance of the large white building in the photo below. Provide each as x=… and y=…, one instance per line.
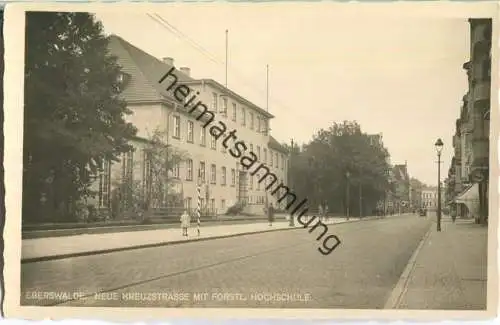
x=429, y=197
x=224, y=181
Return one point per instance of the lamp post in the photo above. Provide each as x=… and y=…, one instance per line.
x=347, y=175
x=439, y=148
x=291, y=221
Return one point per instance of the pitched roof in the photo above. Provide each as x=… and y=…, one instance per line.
x=400, y=172
x=145, y=71
x=235, y=95
x=274, y=144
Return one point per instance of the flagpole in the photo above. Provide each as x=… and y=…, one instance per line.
x=267, y=87
x=227, y=41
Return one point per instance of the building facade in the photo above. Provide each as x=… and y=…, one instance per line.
x=429, y=197
x=399, y=196
x=469, y=171
x=401, y=188
x=204, y=161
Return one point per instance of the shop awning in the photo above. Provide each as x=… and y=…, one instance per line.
x=470, y=197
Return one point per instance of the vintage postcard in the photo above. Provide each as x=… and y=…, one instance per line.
x=305, y=160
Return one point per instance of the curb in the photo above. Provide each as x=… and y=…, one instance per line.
x=176, y=242
x=402, y=285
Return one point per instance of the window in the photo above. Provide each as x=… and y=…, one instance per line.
x=258, y=152
x=224, y=107
x=188, y=203
x=104, y=184
x=234, y=112
x=190, y=131
x=264, y=126
x=189, y=170
x=250, y=182
x=202, y=171
x=223, y=204
x=177, y=127
x=276, y=156
x=258, y=183
x=271, y=158
x=213, y=142
x=223, y=176
x=214, y=102
x=202, y=203
x=251, y=147
x=258, y=123
x=265, y=156
x=251, y=121
x=147, y=174
x=176, y=170
x=243, y=117
x=212, y=205
x=203, y=136
x=233, y=177
x=213, y=174
x=127, y=164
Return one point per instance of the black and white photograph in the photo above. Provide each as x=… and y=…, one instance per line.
x=253, y=156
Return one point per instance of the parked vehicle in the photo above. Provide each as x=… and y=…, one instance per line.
x=422, y=212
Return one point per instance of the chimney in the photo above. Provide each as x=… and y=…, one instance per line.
x=169, y=61
x=186, y=71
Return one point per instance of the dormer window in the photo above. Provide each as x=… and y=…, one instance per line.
x=122, y=80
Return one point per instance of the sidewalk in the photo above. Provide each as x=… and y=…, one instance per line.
x=447, y=271
x=39, y=249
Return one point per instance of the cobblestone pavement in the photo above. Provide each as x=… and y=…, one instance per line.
x=239, y=271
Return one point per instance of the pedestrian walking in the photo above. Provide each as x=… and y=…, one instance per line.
x=320, y=212
x=270, y=214
x=185, y=223
x=453, y=213
x=326, y=211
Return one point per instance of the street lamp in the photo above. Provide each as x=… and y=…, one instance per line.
x=291, y=222
x=347, y=175
x=439, y=148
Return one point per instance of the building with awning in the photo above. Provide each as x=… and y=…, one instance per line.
x=470, y=198
x=469, y=171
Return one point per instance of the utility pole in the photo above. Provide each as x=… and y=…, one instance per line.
x=347, y=194
x=290, y=181
x=360, y=200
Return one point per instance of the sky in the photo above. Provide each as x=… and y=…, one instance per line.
x=396, y=75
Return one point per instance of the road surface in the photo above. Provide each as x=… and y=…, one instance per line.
x=281, y=269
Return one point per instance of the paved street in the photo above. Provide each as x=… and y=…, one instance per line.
x=359, y=274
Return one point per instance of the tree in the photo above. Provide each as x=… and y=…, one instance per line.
x=161, y=160
x=321, y=167
x=73, y=118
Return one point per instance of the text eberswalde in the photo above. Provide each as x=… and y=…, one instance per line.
x=218, y=129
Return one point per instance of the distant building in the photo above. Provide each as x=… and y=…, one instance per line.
x=429, y=197
x=401, y=187
x=398, y=197
x=375, y=139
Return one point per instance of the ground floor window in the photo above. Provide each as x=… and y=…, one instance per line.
x=105, y=184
